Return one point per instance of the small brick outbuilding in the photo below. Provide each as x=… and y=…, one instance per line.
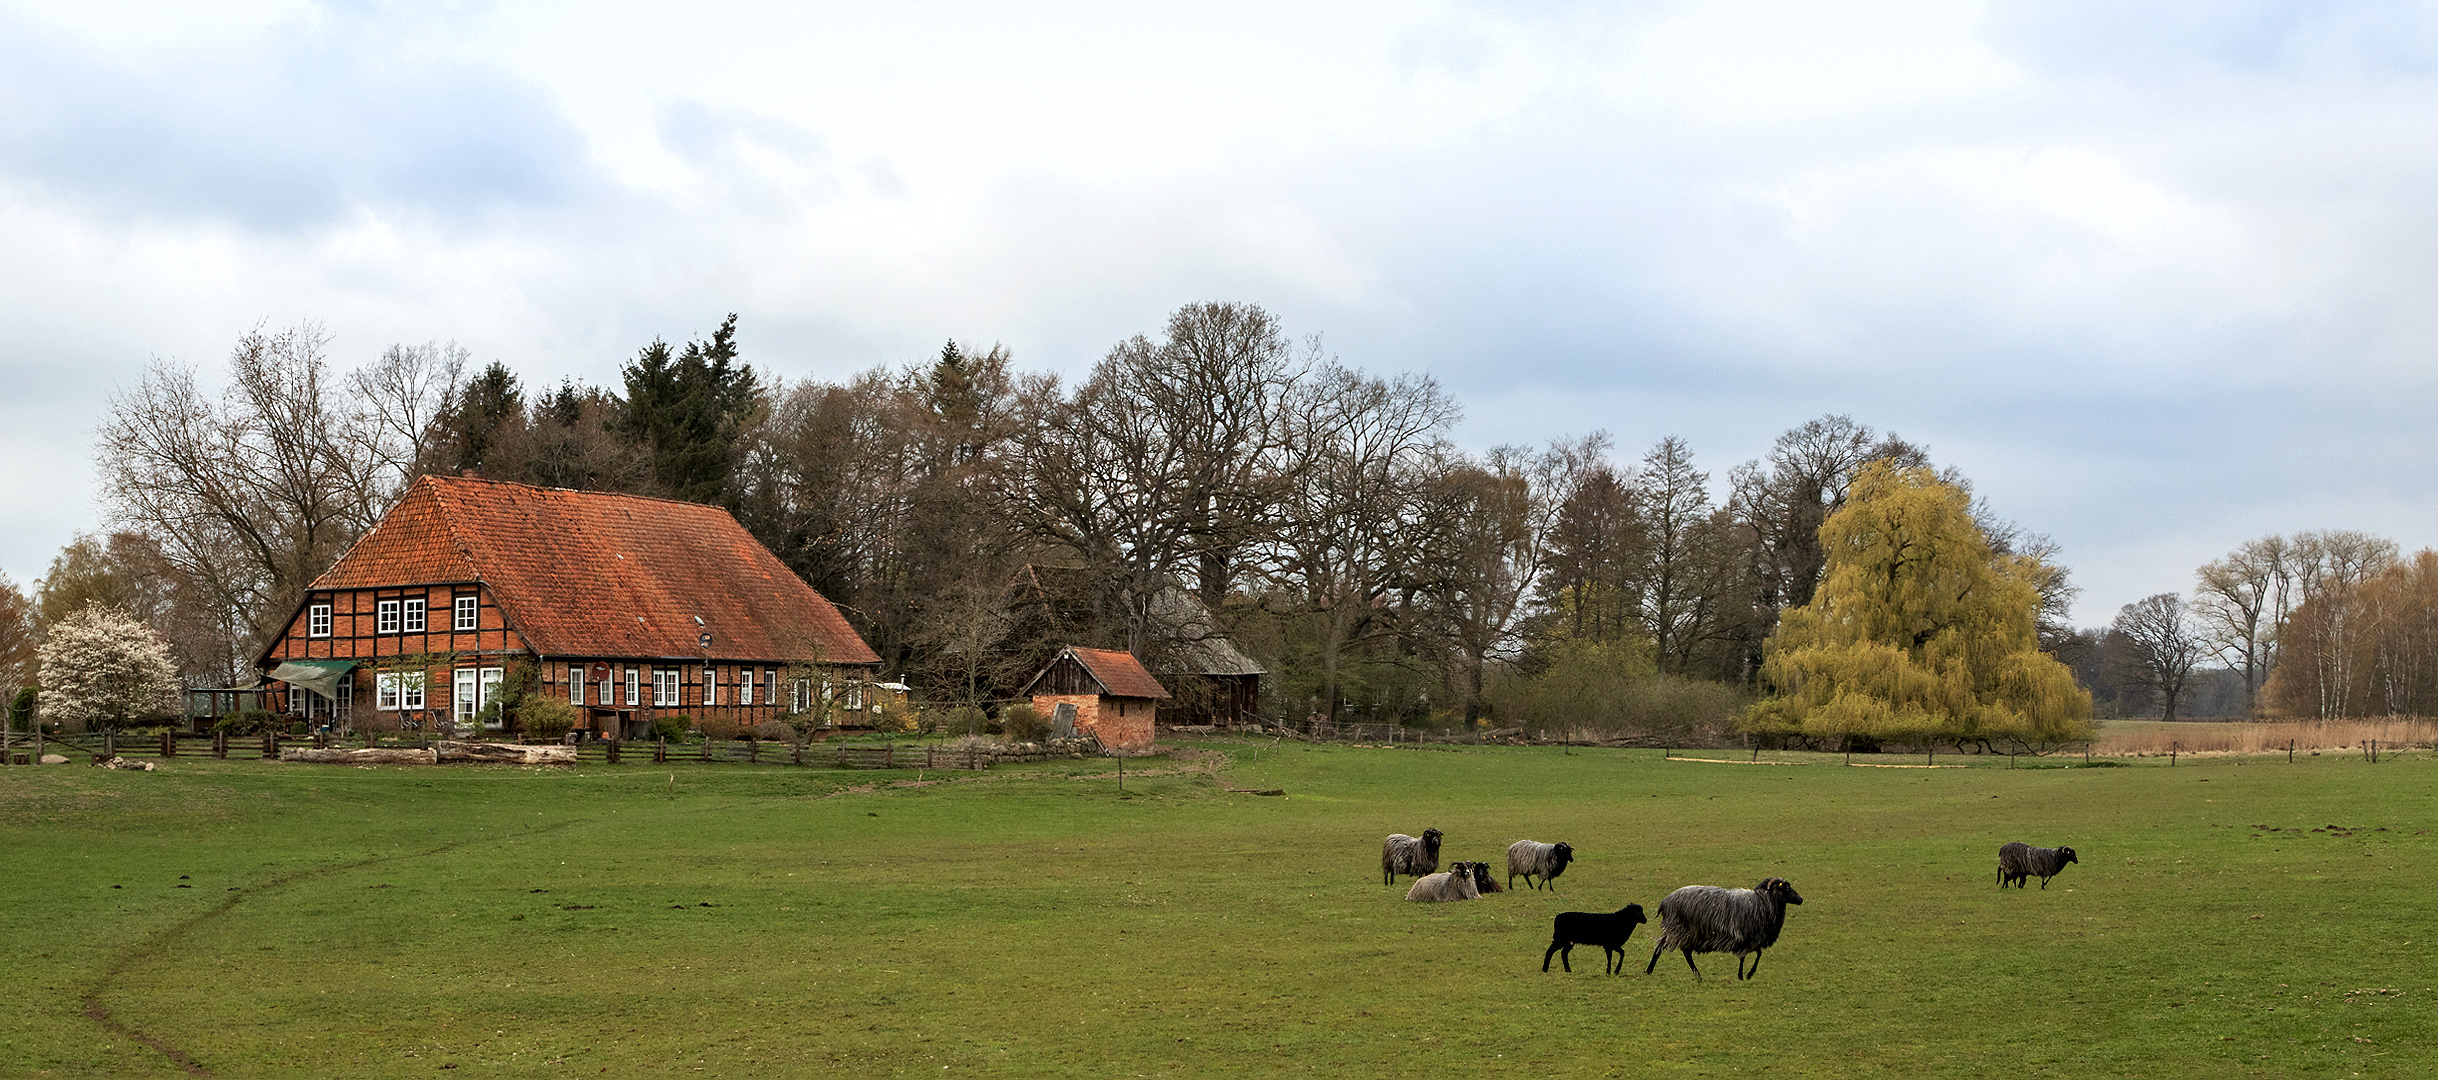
x=1114, y=697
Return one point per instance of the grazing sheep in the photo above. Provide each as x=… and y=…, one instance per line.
x=1533, y=859
x=1455, y=884
x=1411, y=856
x=1483, y=881
x=1608, y=931
x=2019, y=861
x=1707, y=918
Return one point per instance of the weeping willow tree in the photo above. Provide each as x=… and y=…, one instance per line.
x=1918, y=633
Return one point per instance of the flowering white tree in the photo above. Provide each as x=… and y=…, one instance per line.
x=103, y=668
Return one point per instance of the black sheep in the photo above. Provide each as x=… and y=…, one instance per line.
x=1608, y=931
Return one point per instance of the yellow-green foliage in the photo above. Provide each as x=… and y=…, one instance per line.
x=1918, y=630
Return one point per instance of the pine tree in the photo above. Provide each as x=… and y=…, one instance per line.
x=1918, y=631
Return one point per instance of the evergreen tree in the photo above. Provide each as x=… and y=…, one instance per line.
x=1918, y=631
x=687, y=408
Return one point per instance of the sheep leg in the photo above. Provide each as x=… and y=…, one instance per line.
x=1739, y=966
x=1655, y=951
x=1697, y=972
x=1564, y=950
x=1615, y=960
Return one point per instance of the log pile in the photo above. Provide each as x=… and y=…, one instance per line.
x=443, y=753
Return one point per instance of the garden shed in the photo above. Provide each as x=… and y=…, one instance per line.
x=1114, y=697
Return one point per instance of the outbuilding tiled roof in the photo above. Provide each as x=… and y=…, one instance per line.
x=1119, y=673
x=589, y=573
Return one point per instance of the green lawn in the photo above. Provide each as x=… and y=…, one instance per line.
x=264, y=919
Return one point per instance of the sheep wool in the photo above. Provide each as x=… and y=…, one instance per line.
x=1455, y=884
x=1531, y=859
x=2018, y=861
x=1408, y=855
x=1707, y=919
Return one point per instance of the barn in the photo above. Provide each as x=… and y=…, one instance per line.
x=1114, y=697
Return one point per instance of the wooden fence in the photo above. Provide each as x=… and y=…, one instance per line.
x=25, y=749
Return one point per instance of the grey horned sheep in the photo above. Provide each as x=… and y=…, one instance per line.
x=1707, y=918
x=1606, y=930
x=1533, y=859
x=1454, y=884
x=1411, y=856
x=2019, y=861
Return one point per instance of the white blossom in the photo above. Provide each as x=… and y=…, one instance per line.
x=102, y=667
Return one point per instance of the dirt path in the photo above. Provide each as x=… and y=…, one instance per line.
x=160, y=943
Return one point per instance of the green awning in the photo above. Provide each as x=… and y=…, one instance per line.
x=320, y=676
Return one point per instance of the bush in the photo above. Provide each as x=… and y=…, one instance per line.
x=1023, y=723
x=1613, y=690
x=546, y=718
x=964, y=720
x=774, y=730
x=249, y=722
x=719, y=728
x=672, y=728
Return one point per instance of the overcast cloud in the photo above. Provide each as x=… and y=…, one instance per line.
x=2158, y=281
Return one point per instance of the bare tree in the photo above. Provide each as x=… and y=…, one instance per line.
x=1357, y=459
x=2240, y=601
x=2165, y=646
x=1490, y=537
x=18, y=637
x=2327, y=567
x=251, y=495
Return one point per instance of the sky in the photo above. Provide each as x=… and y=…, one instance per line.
x=2159, y=278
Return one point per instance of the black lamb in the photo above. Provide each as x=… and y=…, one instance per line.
x=1606, y=930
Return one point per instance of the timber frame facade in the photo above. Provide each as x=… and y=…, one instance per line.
x=627, y=607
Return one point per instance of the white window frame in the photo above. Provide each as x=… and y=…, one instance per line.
x=385, y=617
x=609, y=688
x=634, y=686
x=575, y=684
x=468, y=612
x=744, y=686
x=803, y=696
x=711, y=686
x=317, y=620
x=664, y=688
x=491, y=679
x=412, y=616
x=398, y=691
x=474, y=688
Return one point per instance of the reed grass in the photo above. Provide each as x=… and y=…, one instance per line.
x=2151, y=738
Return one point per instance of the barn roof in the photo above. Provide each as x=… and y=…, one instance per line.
x=1119, y=673
x=590, y=573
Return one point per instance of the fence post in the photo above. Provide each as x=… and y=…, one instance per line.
x=2289, y=751
x=110, y=742
x=270, y=746
x=169, y=744
x=220, y=744
x=613, y=751
x=2172, y=747
x=753, y=751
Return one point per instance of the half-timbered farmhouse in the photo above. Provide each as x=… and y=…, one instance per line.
x=1114, y=697
x=627, y=607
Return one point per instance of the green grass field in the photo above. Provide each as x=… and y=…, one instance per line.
x=244, y=919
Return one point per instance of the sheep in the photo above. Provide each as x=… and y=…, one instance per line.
x=2018, y=861
x=1402, y=854
x=1608, y=931
x=1707, y=918
x=1533, y=859
x=1455, y=884
x=1483, y=881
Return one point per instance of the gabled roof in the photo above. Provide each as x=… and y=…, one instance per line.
x=589, y=573
x=1119, y=673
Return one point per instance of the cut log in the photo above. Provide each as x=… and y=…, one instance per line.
x=379, y=755
x=508, y=753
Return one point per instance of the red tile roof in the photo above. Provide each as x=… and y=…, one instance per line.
x=589, y=573
x=1119, y=673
